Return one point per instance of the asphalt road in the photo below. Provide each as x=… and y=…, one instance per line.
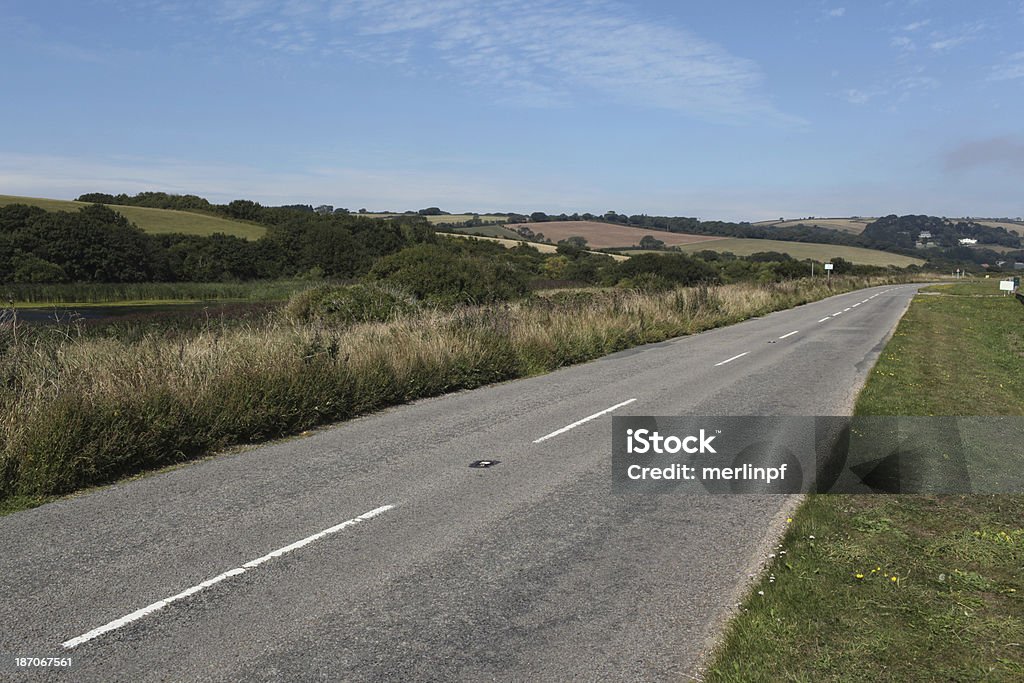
x=530, y=570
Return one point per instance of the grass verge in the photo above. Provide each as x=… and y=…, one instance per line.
x=81, y=411
x=907, y=588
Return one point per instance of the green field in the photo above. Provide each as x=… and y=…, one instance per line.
x=155, y=220
x=851, y=225
x=803, y=250
x=491, y=231
x=904, y=587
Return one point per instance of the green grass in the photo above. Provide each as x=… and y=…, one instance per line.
x=155, y=221
x=804, y=250
x=904, y=588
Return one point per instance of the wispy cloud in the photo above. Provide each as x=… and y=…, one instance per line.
x=903, y=42
x=1004, y=152
x=943, y=41
x=1011, y=68
x=539, y=52
x=837, y=12
x=914, y=26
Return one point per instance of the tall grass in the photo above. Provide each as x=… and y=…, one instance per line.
x=97, y=293
x=81, y=411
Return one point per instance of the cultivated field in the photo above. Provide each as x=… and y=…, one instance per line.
x=805, y=250
x=608, y=235
x=508, y=244
x=852, y=225
x=155, y=220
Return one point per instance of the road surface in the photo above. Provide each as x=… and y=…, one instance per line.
x=371, y=550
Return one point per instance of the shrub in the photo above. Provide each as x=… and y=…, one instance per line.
x=349, y=304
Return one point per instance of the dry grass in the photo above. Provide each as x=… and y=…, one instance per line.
x=81, y=411
x=539, y=246
x=608, y=235
x=805, y=250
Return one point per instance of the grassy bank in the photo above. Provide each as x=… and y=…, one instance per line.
x=908, y=588
x=82, y=411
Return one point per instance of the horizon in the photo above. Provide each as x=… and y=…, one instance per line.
x=808, y=109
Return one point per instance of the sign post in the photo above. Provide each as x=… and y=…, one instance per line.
x=828, y=270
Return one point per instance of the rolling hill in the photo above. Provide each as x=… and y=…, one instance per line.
x=608, y=235
x=804, y=250
x=854, y=225
x=155, y=221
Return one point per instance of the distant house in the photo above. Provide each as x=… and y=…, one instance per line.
x=967, y=241
x=924, y=236
x=1018, y=266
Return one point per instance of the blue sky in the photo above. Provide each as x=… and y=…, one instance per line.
x=722, y=110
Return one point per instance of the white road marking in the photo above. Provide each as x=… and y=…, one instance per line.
x=729, y=360
x=160, y=604
x=824, y=319
x=847, y=308
x=789, y=335
x=838, y=313
x=577, y=423
x=856, y=305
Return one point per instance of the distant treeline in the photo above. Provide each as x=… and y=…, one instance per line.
x=96, y=244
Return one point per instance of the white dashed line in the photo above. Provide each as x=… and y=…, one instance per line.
x=789, y=335
x=729, y=360
x=577, y=423
x=824, y=319
x=160, y=604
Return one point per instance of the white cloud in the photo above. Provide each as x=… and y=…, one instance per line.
x=837, y=12
x=539, y=52
x=855, y=96
x=917, y=25
x=1011, y=68
x=903, y=43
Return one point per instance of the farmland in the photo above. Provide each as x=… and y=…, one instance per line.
x=508, y=243
x=804, y=250
x=854, y=225
x=155, y=221
x=608, y=235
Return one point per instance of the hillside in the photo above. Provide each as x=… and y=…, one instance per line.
x=804, y=250
x=155, y=221
x=854, y=225
x=607, y=235
x=453, y=218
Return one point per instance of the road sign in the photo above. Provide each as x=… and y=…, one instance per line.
x=828, y=266
x=1007, y=285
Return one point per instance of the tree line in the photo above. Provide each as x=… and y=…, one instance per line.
x=97, y=244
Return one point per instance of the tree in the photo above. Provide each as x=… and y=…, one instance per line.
x=651, y=242
x=575, y=241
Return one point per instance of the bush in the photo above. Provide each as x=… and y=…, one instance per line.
x=442, y=275
x=349, y=304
